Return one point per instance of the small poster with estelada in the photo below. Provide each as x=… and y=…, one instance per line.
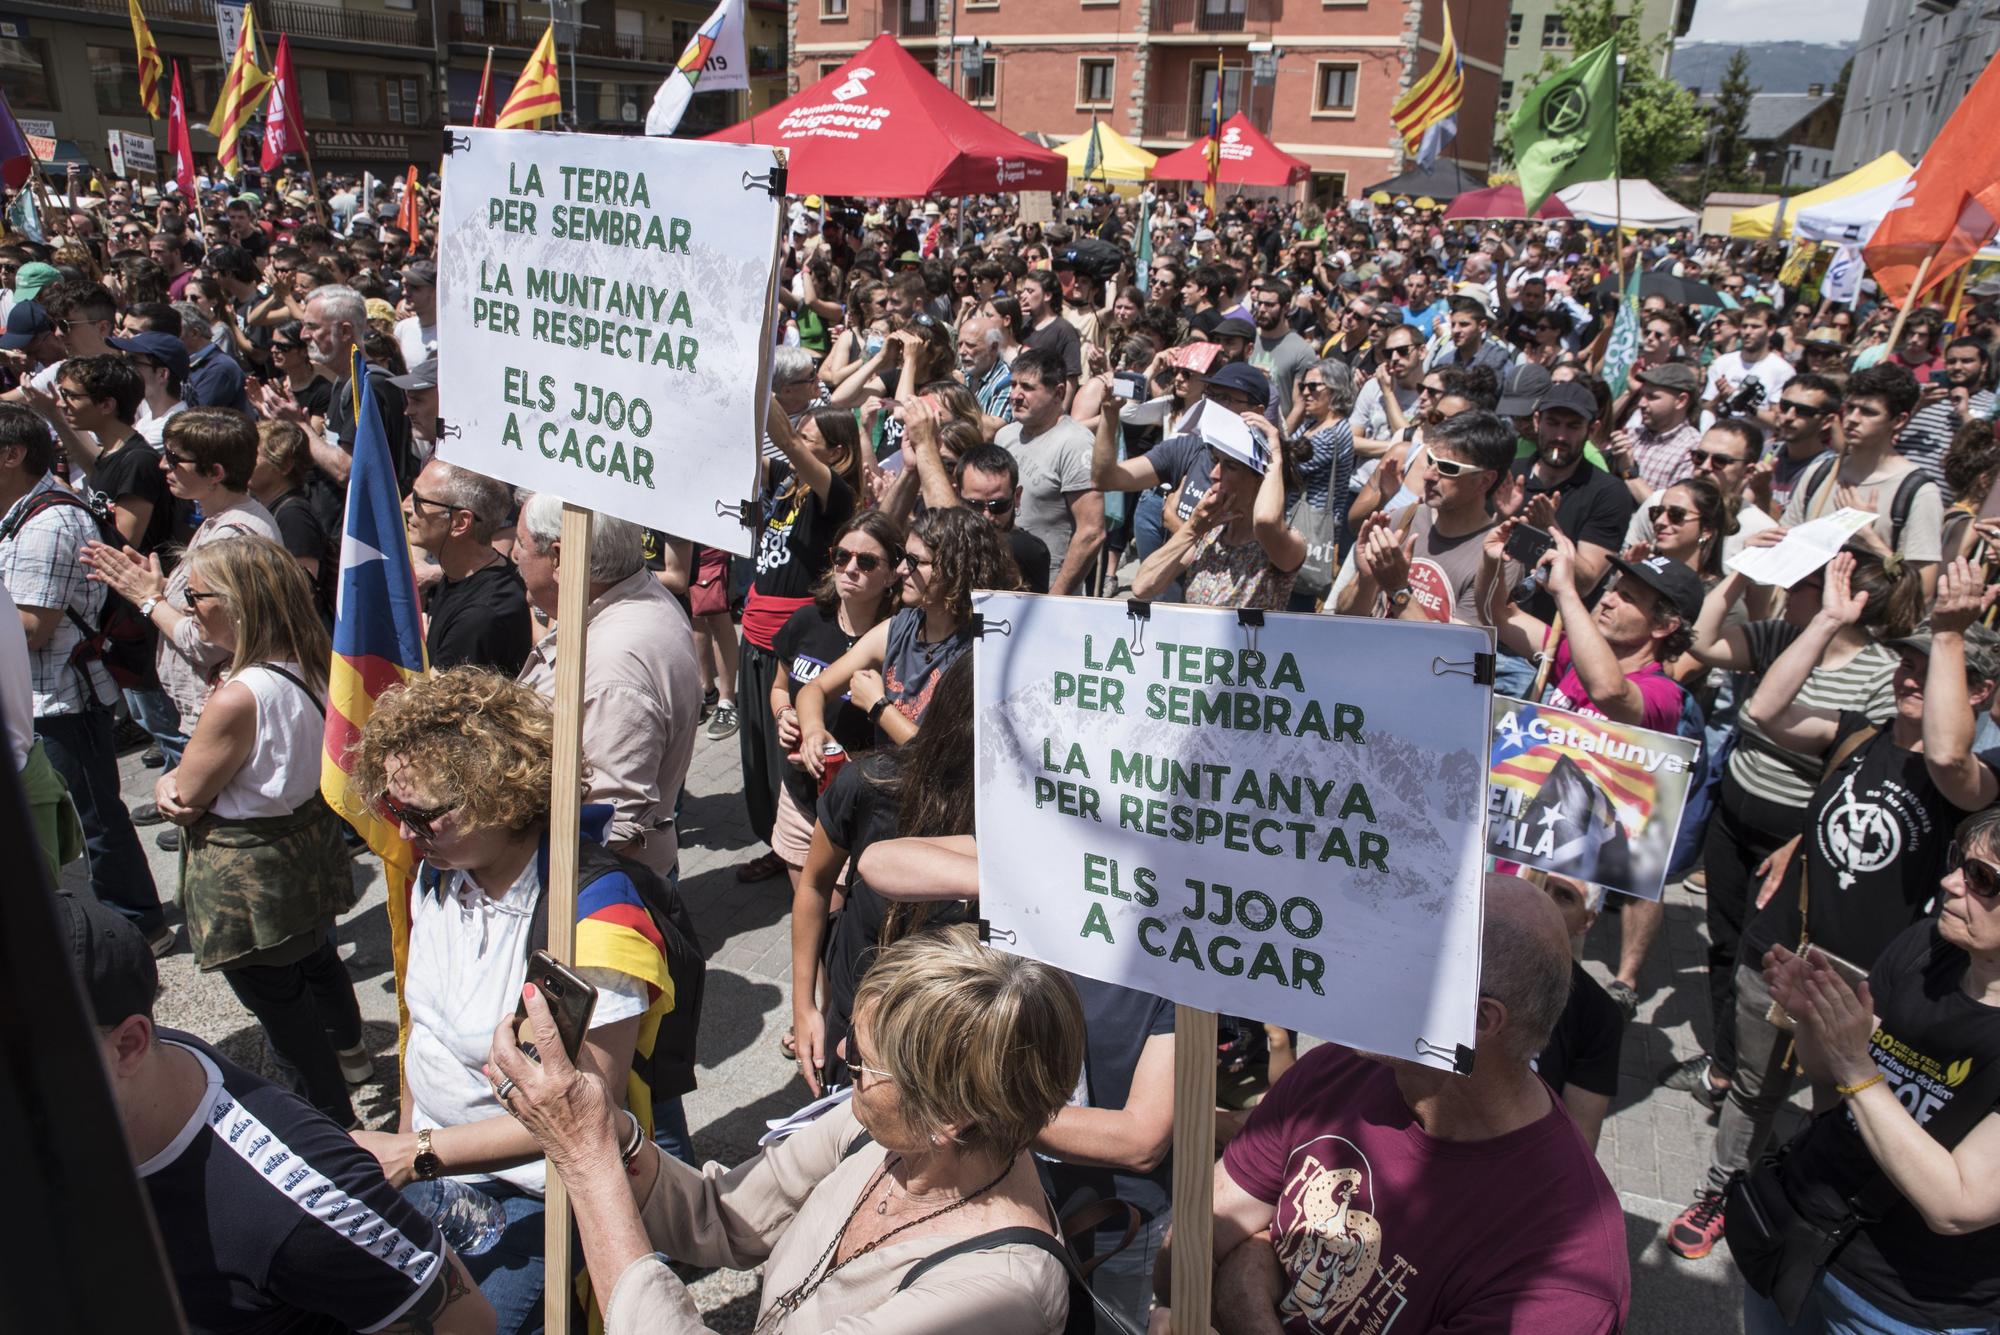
x=1586, y=798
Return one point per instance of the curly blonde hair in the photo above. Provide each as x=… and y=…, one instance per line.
x=477, y=738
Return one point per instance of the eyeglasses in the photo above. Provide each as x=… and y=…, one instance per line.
x=419, y=502
x=911, y=561
x=194, y=599
x=1453, y=467
x=419, y=819
x=1982, y=878
x=866, y=563
x=1712, y=459
x=998, y=506
x=1673, y=514
x=1802, y=409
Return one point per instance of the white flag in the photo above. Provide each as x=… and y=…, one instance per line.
x=713, y=60
x=1843, y=275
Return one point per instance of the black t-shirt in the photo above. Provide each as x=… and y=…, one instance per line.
x=1059, y=336
x=315, y=398
x=274, y=1220
x=810, y=640
x=1031, y=554
x=482, y=620
x=798, y=531
x=1877, y=832
x=1206, y=321
x=1583, y=1050
x=1940, y=1050
x=1117, y=1021
x=1591, y=506
x=856, y=810
x=390, y=405
x=305, y=535
x=133, y=470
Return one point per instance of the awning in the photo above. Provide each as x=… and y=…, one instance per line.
x=883, y=125
x=1118, y=158
x=1635, y=202
x=1248, y=158
x=1446, y=181
x=1502, y=201
x=1889, y=169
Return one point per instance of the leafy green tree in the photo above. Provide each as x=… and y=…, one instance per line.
x=1729, y=121
x=1659, y=122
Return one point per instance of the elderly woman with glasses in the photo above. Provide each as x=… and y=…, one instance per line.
x=208, y=455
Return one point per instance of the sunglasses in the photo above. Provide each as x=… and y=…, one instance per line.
x=194, y=599
x=1312, y=386
x=419, y=819
x=1802, y=409
x=1673, y=514
x=1710, y=459
x=866, y=563
x=1453, y=467
x=1982, y=878
x=999, y=506
x=175, y=460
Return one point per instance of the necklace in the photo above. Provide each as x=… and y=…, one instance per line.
x=792, y=1301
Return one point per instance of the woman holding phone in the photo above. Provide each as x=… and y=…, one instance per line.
x=462, y=761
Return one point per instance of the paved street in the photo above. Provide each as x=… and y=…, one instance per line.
x=1654, y=1148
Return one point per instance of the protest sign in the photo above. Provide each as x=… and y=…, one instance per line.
x=1277, y=821
x=1585, y=797
x=131, y=153
x=604, y=306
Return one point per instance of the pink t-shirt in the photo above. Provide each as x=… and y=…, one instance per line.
x=1661, y=694
x=1381, y=1228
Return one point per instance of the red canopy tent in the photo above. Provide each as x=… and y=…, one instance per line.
x=1503, y=201
x=883, y=125
x=1248, y=158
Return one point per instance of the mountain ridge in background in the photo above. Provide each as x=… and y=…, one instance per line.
x=1775, y=67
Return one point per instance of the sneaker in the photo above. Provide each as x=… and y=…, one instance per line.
x=162, y=942
x=1695, y=1230
x=723, y=724
x=153, y=758
x=356, y=1066
x=1692, y=1077
x=1624, y=996
x=708, y=699
x=169, y=839
x=1697, y=881
x=148, y=814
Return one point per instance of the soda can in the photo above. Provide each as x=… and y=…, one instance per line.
x=835, y=755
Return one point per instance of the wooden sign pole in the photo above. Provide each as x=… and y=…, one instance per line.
x=1910, y=301
x=1194, y=1169
x=565, y=834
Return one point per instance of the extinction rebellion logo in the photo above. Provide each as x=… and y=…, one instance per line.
x=1566, y=110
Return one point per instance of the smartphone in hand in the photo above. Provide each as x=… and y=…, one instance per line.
x=1528, y=545
x=571, y=1001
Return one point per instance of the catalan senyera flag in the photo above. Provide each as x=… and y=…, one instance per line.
x=378, y=644
x=150, y=68
x=538, y=92
x=1427, y=115
x=242, y=91
x=1950, y=206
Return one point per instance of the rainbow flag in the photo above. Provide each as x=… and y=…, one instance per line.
x=378, y=645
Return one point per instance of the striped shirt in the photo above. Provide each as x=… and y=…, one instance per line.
x=1931, y=428
x=1860, y=685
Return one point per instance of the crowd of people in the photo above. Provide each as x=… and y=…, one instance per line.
x=1356, y=410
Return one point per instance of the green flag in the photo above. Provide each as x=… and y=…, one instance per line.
x=1567, y=128
x=1093, y=156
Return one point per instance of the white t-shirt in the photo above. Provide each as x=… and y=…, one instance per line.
x=468, y=960
x=17, y=694
x=419, y=342
x=1774, y=371
x=153, y=429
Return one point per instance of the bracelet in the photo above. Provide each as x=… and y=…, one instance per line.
x=1847, y=1091
x=630, y=1149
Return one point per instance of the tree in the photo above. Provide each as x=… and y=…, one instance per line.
x=1659, y=122
x=1729, y=121
x=1839, y=93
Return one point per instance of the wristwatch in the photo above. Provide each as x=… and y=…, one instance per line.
x=1400, y=599
x=146, y=608
x=875, y=710
x=426, y=1165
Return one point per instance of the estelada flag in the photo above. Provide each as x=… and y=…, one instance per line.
x=149, y=61
x=284, y=128
x=179, y=147
x=538, y=92
x=1950, y=206
x=241, y=92
x=378, y=644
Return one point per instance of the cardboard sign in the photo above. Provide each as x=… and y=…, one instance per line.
x=131, y=153
x=1279, y=821
x=603, y=309
x=1586, y=798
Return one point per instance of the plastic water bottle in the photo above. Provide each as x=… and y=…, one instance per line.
x=470, y=1220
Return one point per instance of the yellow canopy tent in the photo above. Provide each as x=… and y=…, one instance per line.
x=1119, y=159
x=1758, y=222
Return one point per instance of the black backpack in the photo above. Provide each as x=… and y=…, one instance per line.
x=1913, y=482
x=122, y=640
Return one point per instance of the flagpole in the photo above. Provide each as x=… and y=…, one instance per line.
x=1910, y=299
x=1618, y=176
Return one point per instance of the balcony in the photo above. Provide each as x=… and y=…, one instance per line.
x=522, y=33
x=766, y=61
x=309, y=21
x=1187, y=118
x=1171, y=16
x=910, y=18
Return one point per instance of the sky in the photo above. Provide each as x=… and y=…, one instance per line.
x=1776, y=20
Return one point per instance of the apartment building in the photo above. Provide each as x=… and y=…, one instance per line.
x=1535, y=31
x=1913, y=65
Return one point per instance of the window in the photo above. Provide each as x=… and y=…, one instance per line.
x=1234, y=83
x=827, y=67
x=1094, y=82
x=984, y=90
x=1514, y=29
x=1553, y=32
x=833, y=9
x=365, y=92
x=327, y=95
x=1506, y=94
x=24, y=74
x=631, y=26
x=395, y=92
x=1336, y=87
x=413, y=104
x=114, y=73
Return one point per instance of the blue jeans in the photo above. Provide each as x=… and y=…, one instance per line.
x=1513, y=675
x=153, y=710
x=510, y=1275
x=670, y=1130
x=1124, y=1282
x=80, y=747
x=1149, y=524
x=1835, y=1309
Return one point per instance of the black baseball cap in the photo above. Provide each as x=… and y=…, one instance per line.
x=1672, y=580
x=1522, y=391
x=1234, y=327
x=1571, y=395
x=165, y=349
x=1244, y=379
x=111, y=958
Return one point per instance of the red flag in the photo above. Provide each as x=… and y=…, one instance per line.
x=1950, y=206
x=179, y=146
x=483, y=108
x=409, y=213
x=284, y=123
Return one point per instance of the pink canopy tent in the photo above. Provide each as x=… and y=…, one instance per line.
x=1503, y=201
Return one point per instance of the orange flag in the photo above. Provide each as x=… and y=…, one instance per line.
x=410, y=213
x=1950, y=206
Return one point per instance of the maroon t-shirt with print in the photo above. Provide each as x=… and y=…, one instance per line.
x=1381, y=1228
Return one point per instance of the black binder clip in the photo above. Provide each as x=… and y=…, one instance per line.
x=988, y=934
x=772, y=181
x=744, y=512
x=980, y=625
x=1459, y=1055
x=1141, y=613
x=449, y=431
x=454, y=141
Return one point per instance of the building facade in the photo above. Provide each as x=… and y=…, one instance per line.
x=1151, y=68
x=1534, y=32
x=1915, y=61
x=378, y=79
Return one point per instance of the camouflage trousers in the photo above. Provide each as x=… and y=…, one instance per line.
x=249, y=887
